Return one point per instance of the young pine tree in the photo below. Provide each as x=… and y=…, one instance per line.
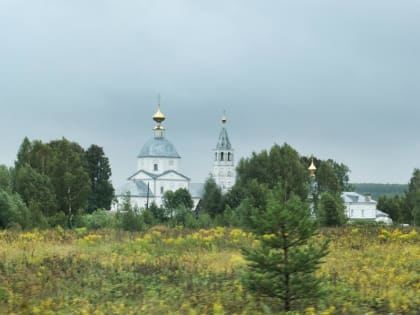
x=283, y=265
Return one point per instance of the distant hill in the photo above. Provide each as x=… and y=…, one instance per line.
x=377, y=190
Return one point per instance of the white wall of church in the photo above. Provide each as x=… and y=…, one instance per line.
x=164, y=185
x=361, y=210
x=224, y=176
x=158, y=165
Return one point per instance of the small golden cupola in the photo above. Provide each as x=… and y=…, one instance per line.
x=159, y=117
x=312, y=168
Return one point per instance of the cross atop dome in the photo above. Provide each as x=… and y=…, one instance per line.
x=224, y=118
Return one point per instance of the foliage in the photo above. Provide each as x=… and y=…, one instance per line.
x=404, y=208
x=181, y=198
x=129, y=218
x=253, y=205
x=36, y=190
x=99, y=219
x=159, y=213
x=284, y=264
x=331, y=210
x=413, y=197
x=99, y=171
x=59, y=177
x=281, y=165
x=211, y=201
x=13, y=211
x=68, y=176
x=6, y=178
x=327, y=178
x=396, y=207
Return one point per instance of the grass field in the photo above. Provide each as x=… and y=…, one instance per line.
x=175, y=271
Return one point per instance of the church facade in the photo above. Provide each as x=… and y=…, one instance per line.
x=158, y=170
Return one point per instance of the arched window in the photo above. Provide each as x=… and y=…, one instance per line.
x=222, y=157
x=161, y=190
x=229, y=156
x=155, y=167
x=215, y=156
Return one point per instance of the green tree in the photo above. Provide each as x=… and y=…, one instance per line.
x=342, y=171
x=23, y=155
x=327, y=178
x=13, y=211
x=331, y=210
x=413, y=197
x=169, y=203
x=99, y=171
x=183, y=199
x=6, y=178
x=330, y=175
x=211, y=201
x=253, y=205
x=68, y=176
x=282, y=165
x=158, y=213
x=36, y=191
x=394, y=206
x=173, y=201
x=129, y=217
x=284, y=264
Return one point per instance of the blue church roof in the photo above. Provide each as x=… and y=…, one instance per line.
x=158, y=147
x=223, y=143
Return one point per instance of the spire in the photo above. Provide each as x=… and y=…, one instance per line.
x=312, y=168
x=159, y=117
x=224, y=142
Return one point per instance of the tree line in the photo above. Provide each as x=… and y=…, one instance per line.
x=379, y=190
x=404, y=208
x=51, y=183
x=281, y=165
x=55, y=183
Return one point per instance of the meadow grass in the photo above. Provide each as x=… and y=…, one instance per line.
x=369, y=270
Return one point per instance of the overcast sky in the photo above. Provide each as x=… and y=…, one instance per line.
x=337, y=79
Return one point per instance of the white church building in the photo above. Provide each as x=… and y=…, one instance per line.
x=158, y=170
x=363, y=207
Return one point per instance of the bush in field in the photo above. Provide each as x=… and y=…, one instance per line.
x=284, y=263
x=100, y=219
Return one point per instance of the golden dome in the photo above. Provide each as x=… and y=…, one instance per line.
x=312, y=168
x=159, y=117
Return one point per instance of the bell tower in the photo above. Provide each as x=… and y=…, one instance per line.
x=224, y=162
